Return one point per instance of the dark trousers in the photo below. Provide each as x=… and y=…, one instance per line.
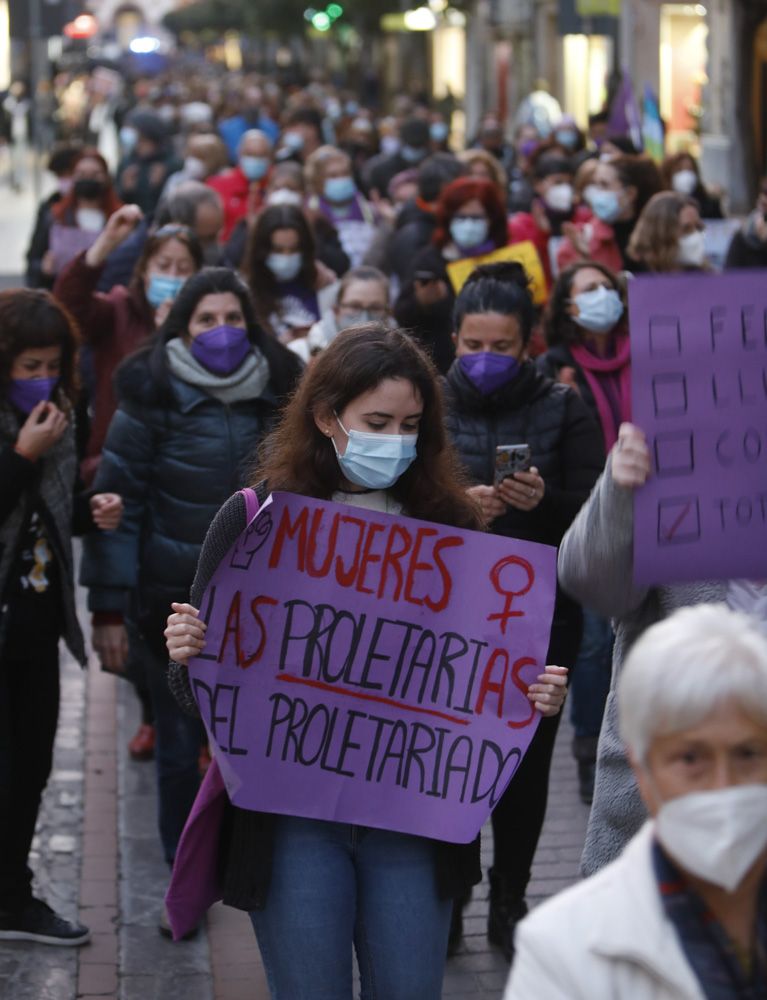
x=518, y=817
x=177, y=750
x=29, y=711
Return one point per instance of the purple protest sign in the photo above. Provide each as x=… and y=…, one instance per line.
x=699, y=392
x=372, y=669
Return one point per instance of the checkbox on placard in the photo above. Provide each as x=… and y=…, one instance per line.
x=674, y=453
x=678, y=520
x=669, y=394
x=665, y=337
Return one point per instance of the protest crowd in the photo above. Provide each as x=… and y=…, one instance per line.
x=513, y=356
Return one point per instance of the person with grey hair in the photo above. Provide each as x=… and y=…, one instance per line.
x=199, y=208
x=682, y=913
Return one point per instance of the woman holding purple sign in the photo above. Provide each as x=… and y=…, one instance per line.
x=365, y=428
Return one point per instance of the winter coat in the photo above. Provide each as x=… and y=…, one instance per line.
x=50, y=484
x=523, y=226
x=113, y=325
x=234, y=189
x=596, y=561
x=603, y=246
x=607, y=938
x=174, y=458
x=566, y=448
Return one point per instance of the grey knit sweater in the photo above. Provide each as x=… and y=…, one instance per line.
x=596, y=566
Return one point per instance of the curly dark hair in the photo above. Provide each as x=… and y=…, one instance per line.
x=284, y=365
x=31, y=318
x=558, y=326
x=298, y=458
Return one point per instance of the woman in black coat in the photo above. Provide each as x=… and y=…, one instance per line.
x=192, y=408
x=496, y=396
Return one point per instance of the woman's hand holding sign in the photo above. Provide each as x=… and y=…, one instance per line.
x=549, y=694
x=185, y=634
x=630, y=458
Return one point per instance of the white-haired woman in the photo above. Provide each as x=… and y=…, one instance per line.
x=682, y=913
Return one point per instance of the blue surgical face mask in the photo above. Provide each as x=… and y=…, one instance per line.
x=128, y=137
x=163, y=287
x=254, y=167
x=598, y=310
x=293, y=141
x=285, y=266
x=340, y=189
x=604, y=204
x=567, y=138
x=376, y=461
x=468, y=233
x=412, y=154
x=438, y=131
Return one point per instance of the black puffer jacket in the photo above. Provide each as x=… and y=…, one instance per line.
x=174, y=461
x=566, y=447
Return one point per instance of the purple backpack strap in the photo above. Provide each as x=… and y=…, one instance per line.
x=251, y=503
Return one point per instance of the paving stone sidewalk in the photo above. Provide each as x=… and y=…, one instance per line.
x=96, y=843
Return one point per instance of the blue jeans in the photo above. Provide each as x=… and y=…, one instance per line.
x=334, y=885
x=590, y=680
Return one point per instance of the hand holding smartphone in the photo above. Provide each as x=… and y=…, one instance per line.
x=511, y=458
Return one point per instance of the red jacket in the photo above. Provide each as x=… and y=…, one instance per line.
x=602, y=245
x=522, y=226
x=236, y=192
x=113, y=324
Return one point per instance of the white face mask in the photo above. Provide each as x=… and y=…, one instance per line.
x=716, y=835
x=195, y=168
x=692, y=249
x=559, y=197
x=90, y=219
x=285, y=196
x=684, y=181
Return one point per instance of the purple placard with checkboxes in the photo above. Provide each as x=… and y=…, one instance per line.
x=699, y=392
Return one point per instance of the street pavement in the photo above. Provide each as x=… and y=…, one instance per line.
x=96, y=852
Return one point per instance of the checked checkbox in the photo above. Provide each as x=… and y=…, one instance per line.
x=674, y=453
x=678, y=520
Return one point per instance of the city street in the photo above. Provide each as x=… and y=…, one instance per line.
x=97, y=854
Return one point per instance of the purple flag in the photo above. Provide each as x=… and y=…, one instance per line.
x=624, y=113
x=372, y=669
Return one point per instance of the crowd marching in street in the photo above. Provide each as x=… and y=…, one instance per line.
x=279, y=290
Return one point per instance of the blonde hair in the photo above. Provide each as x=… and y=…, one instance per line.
x=655, y=239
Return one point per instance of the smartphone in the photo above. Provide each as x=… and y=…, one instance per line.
x=511, y=458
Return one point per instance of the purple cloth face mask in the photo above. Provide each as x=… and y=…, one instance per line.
x=222, y=349
x=26, y=393
x=487, y=371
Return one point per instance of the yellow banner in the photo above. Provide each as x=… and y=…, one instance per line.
x=593, y=8
x=524, y=253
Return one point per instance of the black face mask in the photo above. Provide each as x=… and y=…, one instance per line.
x=89, y=188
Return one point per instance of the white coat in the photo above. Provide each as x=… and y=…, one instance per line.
x=606, y=938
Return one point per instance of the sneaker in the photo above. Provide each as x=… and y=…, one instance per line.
x=141, y=747
x=38, y=922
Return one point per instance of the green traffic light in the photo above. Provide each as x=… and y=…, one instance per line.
x=334, y=10
x=321, y=21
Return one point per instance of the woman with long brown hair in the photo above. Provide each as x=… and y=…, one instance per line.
x=365, y=428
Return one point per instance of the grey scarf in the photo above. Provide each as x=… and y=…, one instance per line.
x=246, y=382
